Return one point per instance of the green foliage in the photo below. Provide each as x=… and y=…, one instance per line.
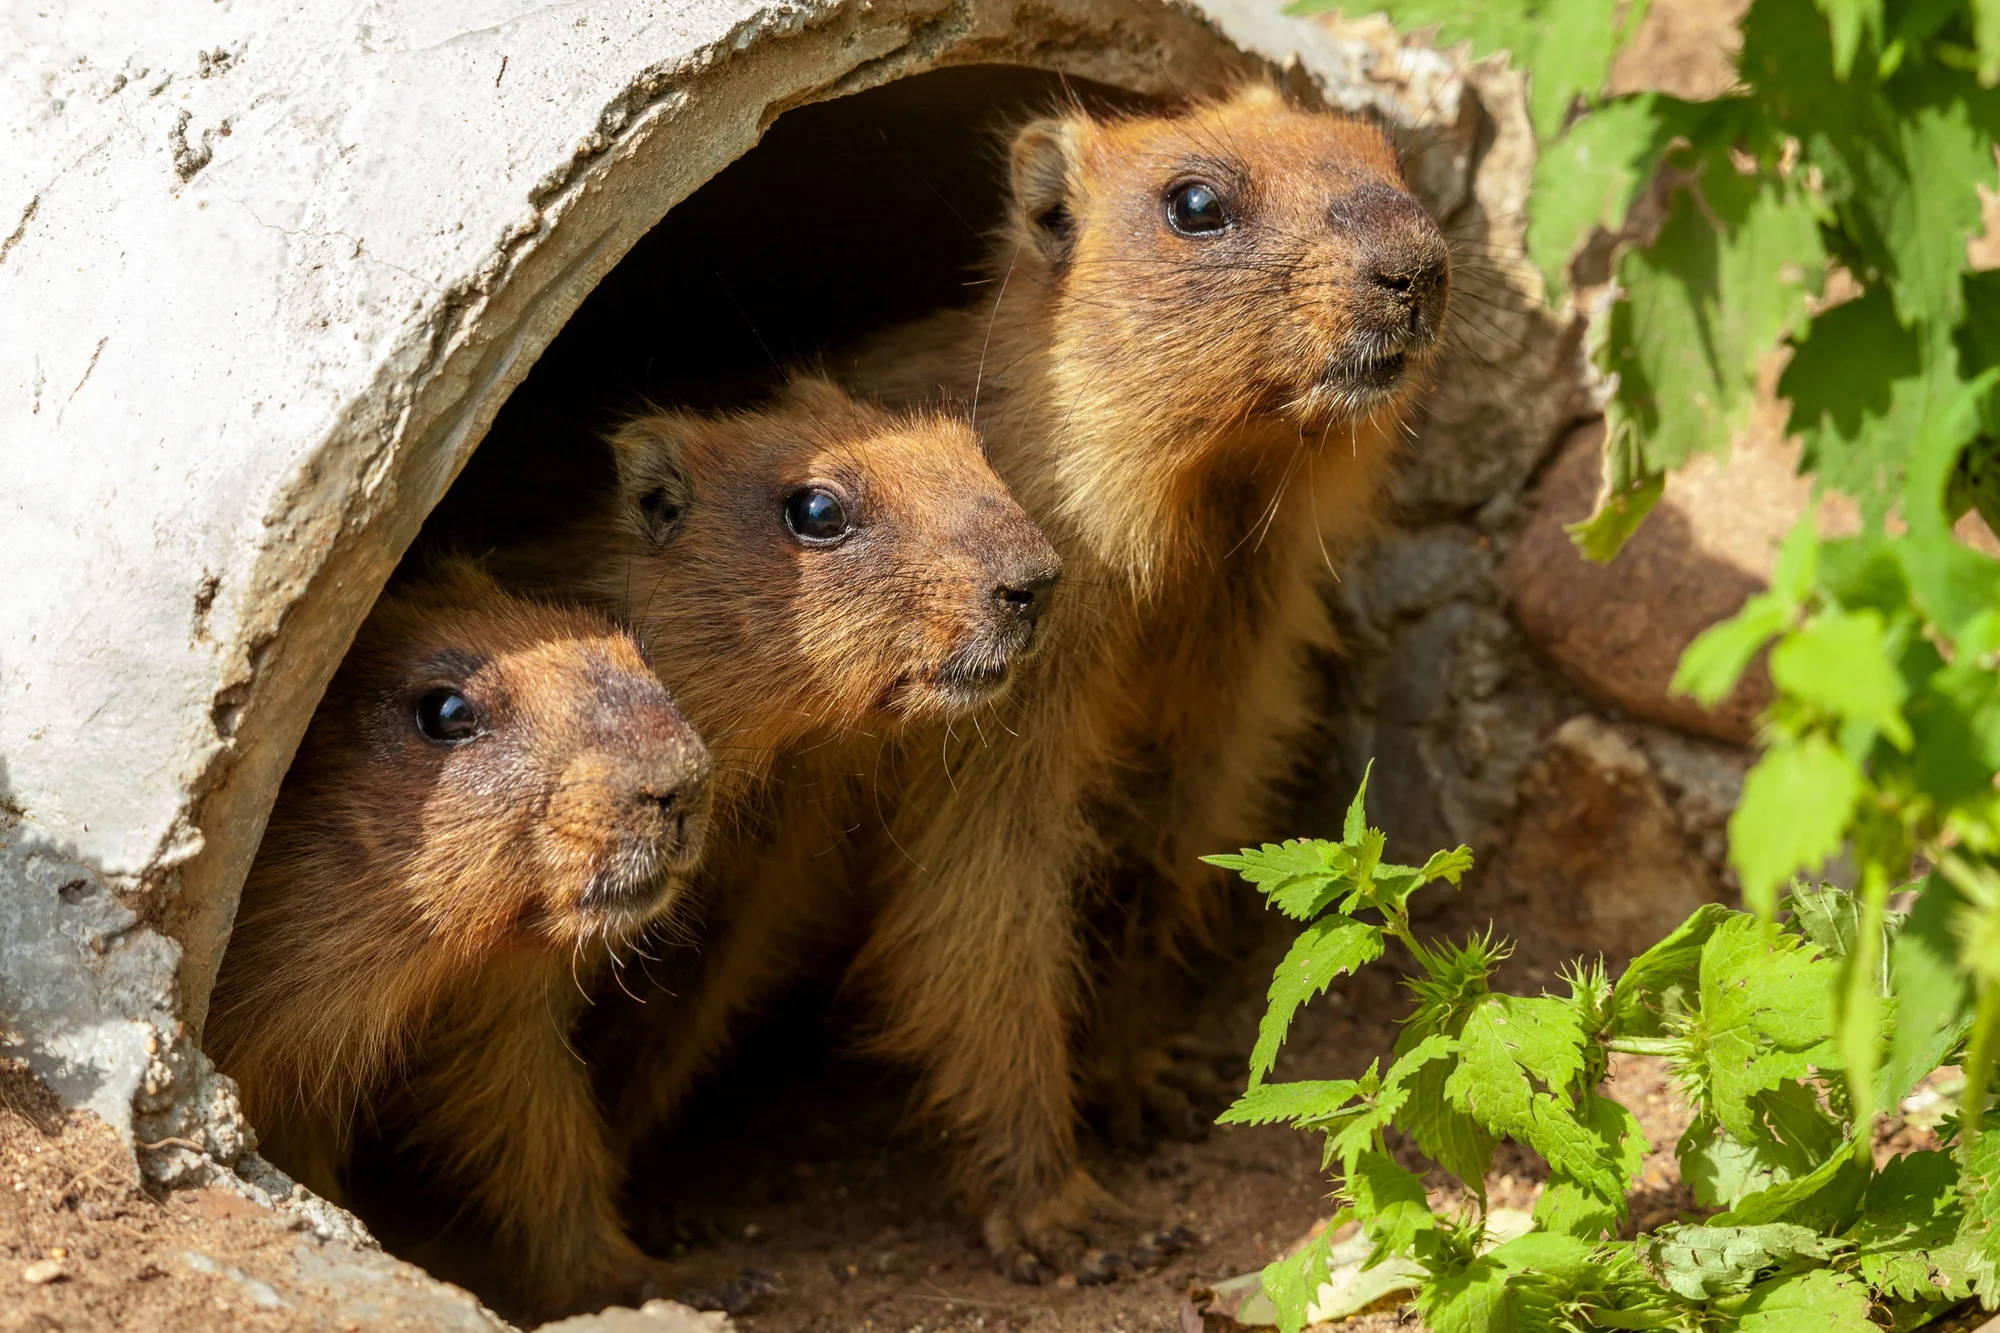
x=1814, y=215
x=1808, y=1232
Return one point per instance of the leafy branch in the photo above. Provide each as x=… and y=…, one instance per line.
x=1742, y=1009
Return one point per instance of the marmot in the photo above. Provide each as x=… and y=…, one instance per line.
x=1203, y=331
x=810, y=579
x=493, y=796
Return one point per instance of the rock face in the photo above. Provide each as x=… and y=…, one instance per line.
x=1617, y=630
x=1597, y=838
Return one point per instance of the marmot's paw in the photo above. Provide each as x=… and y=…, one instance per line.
x=1074, y=1230
x=1176, y=1090
x=739, y=1295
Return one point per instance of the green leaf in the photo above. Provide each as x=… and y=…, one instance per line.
x=1857, y=386
x=1323, y=951
x=1660, y=983
x=1589, y=177
x=1621, y=507
x=1825, y=914
x=1849, y=19
x=1933, y=1000
x=1390, y=1202
x=1927, y=215
x=1299, y=877
x=1291, y=1282
x=1448, y=866
x=1701, y=1263
x=1569, y=1209
x=1711, y=665
x=1294, y=1103
x=1911, y=1210
x=1822, y=1200
x=1473, y=1299
x=1726, y=278
x=1793, y=815
x=1986, y=31
x=1766, y=1005
x=1356, y=823
x=1840, y=663
x=1447, y=1135
x=1978, y=1242
x=1822, y=1301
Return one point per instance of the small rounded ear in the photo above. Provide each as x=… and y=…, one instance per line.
x=816, y=395
x=1044, y=171
x=653, y=486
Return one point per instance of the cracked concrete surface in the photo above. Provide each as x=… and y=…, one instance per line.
x=270, y=271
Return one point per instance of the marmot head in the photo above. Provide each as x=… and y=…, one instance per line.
x=1240, y=258
x=823, y=563
x=513, y=769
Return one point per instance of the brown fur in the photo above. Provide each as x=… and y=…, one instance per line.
x=416, y=933
x=771, y=644
x=1202, y=425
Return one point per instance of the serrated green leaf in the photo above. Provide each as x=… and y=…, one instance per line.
x=1589, y=177
x=1292, y=1103
x=1857, y=386
x=1660, y=983
x=1448, y=866
x=1446, y=1134
x=1840, y=662
x=1390, y=1202
x=1292, y=1281
x=1792, y=816
x=1701, y=1263
x=1299, y=877
x=1823, y=1301
x=1927, y=215
x=1706, y=303
x=1711, y=665
x=1569, y=1209
x=1356, y=822
x=1978, y=1241
x=1324, y=950
x=1910, y=1210
x=1986, y=32
x=1766, y=1005
x=1822, y=1201
x=1473, y=1299
x=1825, y=914
x=1933, y=999
x=1849, y=19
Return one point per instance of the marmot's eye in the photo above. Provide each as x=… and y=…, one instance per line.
x=447, y=715
x=816, y=515
x=1194, y=210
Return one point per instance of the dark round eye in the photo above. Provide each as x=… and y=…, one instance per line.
x=816, y=515
x=659, y=508
x=446, y=715
x=1194, y=210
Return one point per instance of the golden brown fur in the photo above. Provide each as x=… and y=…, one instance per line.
x=415, y=936
x=771, y=643
x=1201, y=423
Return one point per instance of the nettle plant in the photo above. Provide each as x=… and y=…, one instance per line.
x=1811, y=1233
x=1818, y=212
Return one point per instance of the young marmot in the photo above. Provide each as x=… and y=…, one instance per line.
x=493, y=797
x=809, y=579
x=1204, y=330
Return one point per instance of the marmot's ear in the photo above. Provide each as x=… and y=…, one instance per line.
x=653, y=486
x=817, y=395
x=1045, y=176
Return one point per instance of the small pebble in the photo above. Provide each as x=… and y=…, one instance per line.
x=1067, y=1282
x=42, y=1272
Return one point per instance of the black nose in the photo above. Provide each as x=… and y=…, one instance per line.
x=1401, y=257
x=1028, y=595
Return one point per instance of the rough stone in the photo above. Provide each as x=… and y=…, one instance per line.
x=1618, y=630
x=1598, y=839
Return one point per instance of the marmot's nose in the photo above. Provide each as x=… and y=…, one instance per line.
x=1027, y=593
x=1400, y=254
